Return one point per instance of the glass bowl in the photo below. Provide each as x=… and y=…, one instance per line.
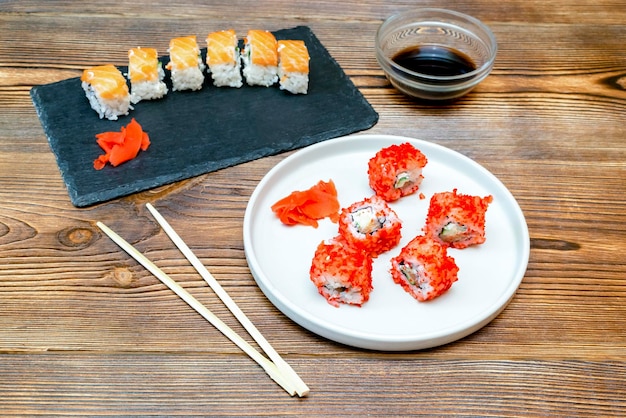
x=435, y=54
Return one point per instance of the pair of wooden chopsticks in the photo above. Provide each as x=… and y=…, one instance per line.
x=275, y=366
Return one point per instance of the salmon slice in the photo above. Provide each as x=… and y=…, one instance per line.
x=184, y=53
x=106, y=80
x=221, y=47
x=262, y=48
x=143, y=64
x=308, y=206
x=293, y=56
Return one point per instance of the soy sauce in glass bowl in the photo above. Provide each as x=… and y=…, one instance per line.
x=434, y=60
x=435, y=54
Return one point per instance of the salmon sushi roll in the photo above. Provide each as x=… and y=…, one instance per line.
x=396, y=171
x=457, y=220
x=145, y=74
x=370, y=226
x=293, y=66
x=186, y=66
x=424, y=269
x=341, y=273
x=107, y=91
x=260, y=58
x=222, y=58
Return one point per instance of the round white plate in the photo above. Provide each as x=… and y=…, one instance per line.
x=280, y=256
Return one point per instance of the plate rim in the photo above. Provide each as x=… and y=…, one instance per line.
x=367, y=340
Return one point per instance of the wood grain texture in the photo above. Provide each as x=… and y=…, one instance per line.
x=195, y=385
x=85, y=331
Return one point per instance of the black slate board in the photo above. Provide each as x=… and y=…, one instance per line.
x=193, y=133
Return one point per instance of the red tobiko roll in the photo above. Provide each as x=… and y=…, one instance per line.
x=396, y=171
x=370, y=225
x=424, y=269
x=457, y=220
x=341, y=273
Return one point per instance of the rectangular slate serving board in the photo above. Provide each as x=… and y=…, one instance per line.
x=196, y=132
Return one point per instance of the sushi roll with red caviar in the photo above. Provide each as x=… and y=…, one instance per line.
x=457, y=220
x=370, y=225
x=341, y=273
x=424, y=269
x=396, y=171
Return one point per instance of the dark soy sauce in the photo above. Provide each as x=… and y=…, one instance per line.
x=434, y=60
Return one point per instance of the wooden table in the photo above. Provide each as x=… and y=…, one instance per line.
x=85, y=330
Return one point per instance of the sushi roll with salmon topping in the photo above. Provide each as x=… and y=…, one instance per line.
x=396, y=171
x=370, y=226
x=457, y=220
x=260, y=58
x=341, y=273
x=293, y=66
x=186, y=66
x=424, y=269
x=106, y=90
x=145, y=74
x=223, y=60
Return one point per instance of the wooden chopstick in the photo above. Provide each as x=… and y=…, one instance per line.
x=270, y=368
x=301, y=388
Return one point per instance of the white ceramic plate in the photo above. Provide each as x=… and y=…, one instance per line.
x=280, y=256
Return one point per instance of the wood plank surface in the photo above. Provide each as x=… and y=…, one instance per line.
x=84, y=330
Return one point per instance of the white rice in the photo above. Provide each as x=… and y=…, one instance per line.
x=148, y=90
x=421, y=283
x=107, y=108
x=335, y=288
x=189, y=78
x=227, y=75
x=296, y=83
